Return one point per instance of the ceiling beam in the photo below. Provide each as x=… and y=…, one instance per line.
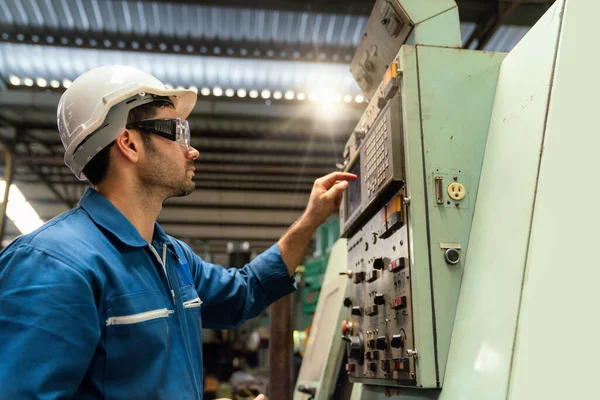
x=470, y=10
x=175, y=204
x=139, y=43
x=305, y=114
x=529, y=12
x=209, y=167
x=212, y=185
x=348, y=7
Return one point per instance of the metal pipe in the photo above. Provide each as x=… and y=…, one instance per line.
x=280, y=350
x=8, y=175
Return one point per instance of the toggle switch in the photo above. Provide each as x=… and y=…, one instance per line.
x=379, y=299
x=381, y=343
x=358, y=277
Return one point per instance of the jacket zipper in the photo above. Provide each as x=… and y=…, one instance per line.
x=141, y=317
x=163, y=263
x=192, y=303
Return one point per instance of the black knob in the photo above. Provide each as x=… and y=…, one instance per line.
x=378, y=263
x=307, y=390
x=347, y=302
x=397, y=341
x=385, y=365
x=355, y=310
x=355, y=348
x=373, y=366
x=379, y=299
x=381, y=343
x=368, y=355
x=371, y=343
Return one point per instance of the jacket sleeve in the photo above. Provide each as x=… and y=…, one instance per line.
x=230, y=296
x=49, y=325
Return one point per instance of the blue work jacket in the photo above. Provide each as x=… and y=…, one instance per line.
x=89, y=309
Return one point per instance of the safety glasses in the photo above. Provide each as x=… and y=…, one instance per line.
x=174, y=129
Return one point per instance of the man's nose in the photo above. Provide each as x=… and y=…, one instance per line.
x=193, y=153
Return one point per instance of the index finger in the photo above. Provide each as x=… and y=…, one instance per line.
x=330, y=179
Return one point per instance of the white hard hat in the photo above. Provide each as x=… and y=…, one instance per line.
x=93, y=111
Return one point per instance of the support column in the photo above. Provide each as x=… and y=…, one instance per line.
x=280, y=350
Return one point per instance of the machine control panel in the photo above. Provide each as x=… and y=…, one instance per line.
x=386, y=326
x=378, y=163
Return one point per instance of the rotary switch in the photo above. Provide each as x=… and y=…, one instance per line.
x=347, y=302
x=355, y=347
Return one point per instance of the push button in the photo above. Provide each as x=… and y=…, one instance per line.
x=401, y=364
x=397, y=341
x=399, y=302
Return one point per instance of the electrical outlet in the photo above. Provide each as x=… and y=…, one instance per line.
x=456, y=191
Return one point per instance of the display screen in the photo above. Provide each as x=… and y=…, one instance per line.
x=353, y=193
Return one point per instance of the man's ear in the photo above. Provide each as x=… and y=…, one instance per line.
x=129, y=145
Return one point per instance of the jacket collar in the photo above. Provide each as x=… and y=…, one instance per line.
x=105, y=214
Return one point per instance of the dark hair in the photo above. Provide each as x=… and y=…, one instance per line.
x=96, y=169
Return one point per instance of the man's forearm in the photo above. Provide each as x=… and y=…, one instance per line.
x=294, y=243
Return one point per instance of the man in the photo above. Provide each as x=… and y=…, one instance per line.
x=100, y=302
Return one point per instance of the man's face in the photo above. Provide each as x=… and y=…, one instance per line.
x=167, y=166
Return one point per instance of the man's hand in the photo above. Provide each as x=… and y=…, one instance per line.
x=325, y=197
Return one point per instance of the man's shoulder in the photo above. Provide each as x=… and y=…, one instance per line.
x=64, y=235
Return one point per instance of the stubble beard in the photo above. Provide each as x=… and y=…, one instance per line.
x=163, y=176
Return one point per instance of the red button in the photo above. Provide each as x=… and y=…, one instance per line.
x=399, y=302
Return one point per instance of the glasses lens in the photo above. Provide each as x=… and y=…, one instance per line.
x=187, y=134
x=183, y=133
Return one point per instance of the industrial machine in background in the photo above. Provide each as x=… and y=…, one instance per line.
x=314, y=271
x=324, y=354
x=462, y=252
